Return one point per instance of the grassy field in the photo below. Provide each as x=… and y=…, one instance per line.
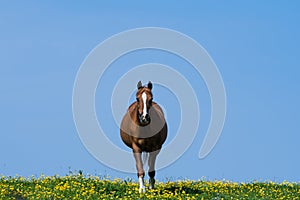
x=92, y=187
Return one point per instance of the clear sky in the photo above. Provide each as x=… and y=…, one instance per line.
x=255, y=45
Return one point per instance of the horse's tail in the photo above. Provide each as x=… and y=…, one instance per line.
x=145, y=159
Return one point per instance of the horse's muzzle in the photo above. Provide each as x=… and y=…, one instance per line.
x=145, y=120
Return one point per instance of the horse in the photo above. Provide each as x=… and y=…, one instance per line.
x=144, y=129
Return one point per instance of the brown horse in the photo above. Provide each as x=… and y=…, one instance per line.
x=144, y=129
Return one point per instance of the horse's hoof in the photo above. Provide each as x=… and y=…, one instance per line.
x=142, y=189
x=151, y=187
x=151, y=183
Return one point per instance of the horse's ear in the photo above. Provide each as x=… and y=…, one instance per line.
x=139, y=85
x=149, y=85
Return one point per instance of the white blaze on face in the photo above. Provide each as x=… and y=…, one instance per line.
x=144, y=97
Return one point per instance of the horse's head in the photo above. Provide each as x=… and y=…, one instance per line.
x=144, y=102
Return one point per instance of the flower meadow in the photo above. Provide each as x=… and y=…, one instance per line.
x=93, y=187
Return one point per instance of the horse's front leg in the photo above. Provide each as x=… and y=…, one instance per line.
x=151, y=172
x=140, y=170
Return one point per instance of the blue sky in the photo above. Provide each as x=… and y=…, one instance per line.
x=254, y=44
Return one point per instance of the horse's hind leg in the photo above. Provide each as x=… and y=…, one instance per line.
x=151, y=172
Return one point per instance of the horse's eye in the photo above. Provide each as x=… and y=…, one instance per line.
x=137, y=99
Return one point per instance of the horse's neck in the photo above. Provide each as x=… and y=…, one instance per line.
x=158, y=111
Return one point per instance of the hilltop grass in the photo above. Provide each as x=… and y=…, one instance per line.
x=92, y=187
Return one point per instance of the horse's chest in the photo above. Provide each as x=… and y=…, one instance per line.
x=145, y=144
x=142, y=142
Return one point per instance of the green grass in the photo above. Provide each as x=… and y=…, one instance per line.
x=93, y=187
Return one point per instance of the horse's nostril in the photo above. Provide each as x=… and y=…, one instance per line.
x=147, y=117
